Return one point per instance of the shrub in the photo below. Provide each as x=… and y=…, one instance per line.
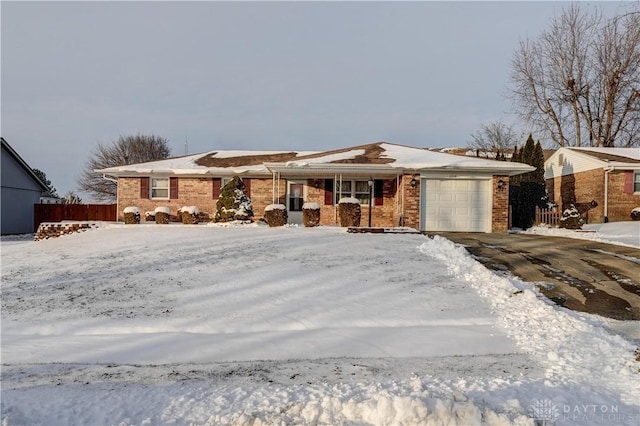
x=131, y=215
x=635, y=214
x=349, y=210
x=189, y=214
x=162, y=215
x=233, y=203
x=276, y=215
x=311, y=214
x=571, y=218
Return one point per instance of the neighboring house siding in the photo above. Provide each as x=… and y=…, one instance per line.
x=19, y=195
x=584, y=187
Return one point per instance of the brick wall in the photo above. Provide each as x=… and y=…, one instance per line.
x=500, y=208
x=411, y=213
x=584, y=187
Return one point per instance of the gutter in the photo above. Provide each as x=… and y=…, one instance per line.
x=607, y=170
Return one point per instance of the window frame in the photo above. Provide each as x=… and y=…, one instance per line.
x=352, y=192
x=154, y=187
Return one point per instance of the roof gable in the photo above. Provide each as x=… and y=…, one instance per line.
x=23, y=164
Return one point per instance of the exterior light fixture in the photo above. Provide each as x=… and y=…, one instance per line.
x=501, y=185
x=316, y=185
x=414, y=182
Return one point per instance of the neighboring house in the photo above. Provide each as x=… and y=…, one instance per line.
x=21, y=190
x=608, y=177
x=405, y=186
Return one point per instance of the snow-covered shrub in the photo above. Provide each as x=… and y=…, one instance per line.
x=571, y=218
x=276, y=215
x=162, y=215
x=189, y=214
x=131, y=215
x=635, y=214
x=233, y=203
x=150, y=216
x=311, y=214
x=349, y=211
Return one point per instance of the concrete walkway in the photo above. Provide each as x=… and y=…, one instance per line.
x=585, y=276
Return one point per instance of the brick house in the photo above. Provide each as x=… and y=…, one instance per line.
x=606, y=180
x=401, y=185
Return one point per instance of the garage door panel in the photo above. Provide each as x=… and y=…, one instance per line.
x=462, y=205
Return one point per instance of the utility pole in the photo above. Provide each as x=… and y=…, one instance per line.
x=186, y=146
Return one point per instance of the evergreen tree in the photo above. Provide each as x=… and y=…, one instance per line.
x=233, y=203
x=528, y=190
x=43, y=177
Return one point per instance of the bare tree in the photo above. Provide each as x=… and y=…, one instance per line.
x=494, y=140
x=71, y=198
x=579, y=81
x=126, y=150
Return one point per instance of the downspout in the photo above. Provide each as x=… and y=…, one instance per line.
x=606, y=193
x=104, y=176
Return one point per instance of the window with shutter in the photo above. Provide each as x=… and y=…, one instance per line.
x=144, y=188
x=216, y=188
x=247, y=186
x=173, y=188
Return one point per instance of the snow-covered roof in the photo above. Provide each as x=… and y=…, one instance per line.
x=376, y=158
x=570, y=160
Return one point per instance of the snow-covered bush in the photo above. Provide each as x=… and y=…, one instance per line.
x=131, y=215
x=189, y=214
x=311, y=214
x=349, y=211
x=162, y=215
x=571, y=218
x=635, y=214
x=150, y=216
x=233, y=203
x=276, y=215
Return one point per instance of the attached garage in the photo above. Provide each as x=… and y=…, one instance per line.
x=456, y=205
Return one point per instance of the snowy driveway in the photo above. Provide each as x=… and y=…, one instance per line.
x=201, y=294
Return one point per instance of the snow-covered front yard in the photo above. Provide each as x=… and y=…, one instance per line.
x=207, y=325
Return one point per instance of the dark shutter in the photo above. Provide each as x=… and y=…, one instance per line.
x=628, y=182
x=328, y=192
x=216, y=188
x=247, y=186
x=144, y=188
x=173, y=188
x=378, y=191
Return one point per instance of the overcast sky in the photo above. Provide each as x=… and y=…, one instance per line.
x=255, y=75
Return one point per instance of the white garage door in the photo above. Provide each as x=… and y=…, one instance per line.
x=459, y=205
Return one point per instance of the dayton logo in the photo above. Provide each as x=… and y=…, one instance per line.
x=544, y=412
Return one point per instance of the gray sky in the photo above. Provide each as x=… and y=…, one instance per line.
x=254, y=75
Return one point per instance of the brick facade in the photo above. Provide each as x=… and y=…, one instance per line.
x=585, y=187
x=399, y=203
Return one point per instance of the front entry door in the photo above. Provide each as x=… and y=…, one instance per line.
x=295, y=200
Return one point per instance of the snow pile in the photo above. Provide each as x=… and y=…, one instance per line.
x=133, y=210
x=349, y=200
x=165, y=210
x=619, y=233
x=272, y=207
x=189, y=210
x=311, y=206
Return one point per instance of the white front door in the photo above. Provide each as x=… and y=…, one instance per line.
x=295, y=200
x=459, y=205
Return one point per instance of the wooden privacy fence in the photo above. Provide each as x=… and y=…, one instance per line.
x=547, y=216
x=79, y=212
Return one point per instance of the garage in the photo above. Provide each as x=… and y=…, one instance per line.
x=456, y=205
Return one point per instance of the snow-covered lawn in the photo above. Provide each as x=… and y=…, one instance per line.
x=619, y=233
x=206, y=325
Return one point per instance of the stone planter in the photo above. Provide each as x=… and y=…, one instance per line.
x=349, y=212
x=163, y=215
x=131, y=215
x=189, y=214
x=311, y=214
x=276, y=215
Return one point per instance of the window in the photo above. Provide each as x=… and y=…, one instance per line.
x=356, y=189
x=160, y=188
x=636, y=182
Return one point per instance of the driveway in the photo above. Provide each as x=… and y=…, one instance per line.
x=582, y=275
